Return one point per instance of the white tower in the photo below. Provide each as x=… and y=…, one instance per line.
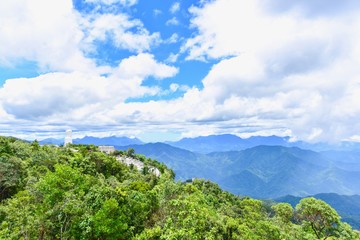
x=68, y=137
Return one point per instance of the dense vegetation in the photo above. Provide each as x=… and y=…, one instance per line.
x=76, y=192
x=348, y=207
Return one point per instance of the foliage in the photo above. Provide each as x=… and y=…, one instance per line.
x=320, y=217
x=77, y=192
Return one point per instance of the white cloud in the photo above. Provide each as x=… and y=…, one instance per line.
x=172, y=58
x=78, y=96
x=157, y=12
x=123, y=32
x=56, y=37
x=173, y=21
x=43, y=31
x=287, y=68
x=127, y=3
x=49, y=94
x=174, y=87
x=313, y=9
x=280, y=69
x=175, y=7
x=56, y=94
x=173, y=38
x=144, y=65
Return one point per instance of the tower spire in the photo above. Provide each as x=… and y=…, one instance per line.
x=68, y=137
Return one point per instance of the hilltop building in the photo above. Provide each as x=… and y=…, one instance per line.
x=107, y=149
x=129, y=161
x=68, y=137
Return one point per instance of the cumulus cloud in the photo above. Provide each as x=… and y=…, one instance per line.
x=310, y=8
x=50, y=94
x=173, y=21
x=172, y=39
x=78, y=96
x=32, y=30
x=75, y=92
x=172, y=58
x=58, y=38
x=278, y=63
x=127, y=3
x=286, y=68
x=175, y=7
x=144, y=65
x=123, y=32
x=157, y=12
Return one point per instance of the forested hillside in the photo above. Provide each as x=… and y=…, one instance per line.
x=264, y=171
x=76, y=192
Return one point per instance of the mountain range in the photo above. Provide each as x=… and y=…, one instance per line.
x=229, y=142
x=217, y=143
x=262, y=171
x=261, y=167
x=112, y=140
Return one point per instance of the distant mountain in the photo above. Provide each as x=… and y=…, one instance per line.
x=186, y=164
x=348, y=207
x=113, y=140
x=262, y=171
x=226, y=142
x=265, y=171
x=229, y=142
x=217, y=143
x=347, y=160
x=274, y=171
x=52, y=141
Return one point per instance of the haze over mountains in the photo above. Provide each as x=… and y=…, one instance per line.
x=229, y=142
x=261, y=167
x=112, y=140
x=262, y=171
x=216, y=143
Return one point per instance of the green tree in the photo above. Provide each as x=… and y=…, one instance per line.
x=79, y=193
x=12, y=175
x=61, y=200
x=283, y=212
x=130, y=152
x=110, y=221
x=19, y=217
x=319, y=216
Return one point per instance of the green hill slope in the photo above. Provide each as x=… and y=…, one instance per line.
x=77, y=192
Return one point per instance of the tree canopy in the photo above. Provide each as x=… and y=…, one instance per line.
x=77, y=192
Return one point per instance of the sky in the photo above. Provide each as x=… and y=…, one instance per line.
x=167, y=69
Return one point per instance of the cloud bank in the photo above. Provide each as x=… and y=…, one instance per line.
x=286, y=68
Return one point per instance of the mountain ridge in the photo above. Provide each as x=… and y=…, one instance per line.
x=262, y=171
x=111, y=140
x=216, y=143
x=230, y=142
x=259, y=171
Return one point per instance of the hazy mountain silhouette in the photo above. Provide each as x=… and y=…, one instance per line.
x=229, y=142
x=262, y=171
x=112, y=140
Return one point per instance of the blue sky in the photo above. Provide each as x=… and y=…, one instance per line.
x=162, y=70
